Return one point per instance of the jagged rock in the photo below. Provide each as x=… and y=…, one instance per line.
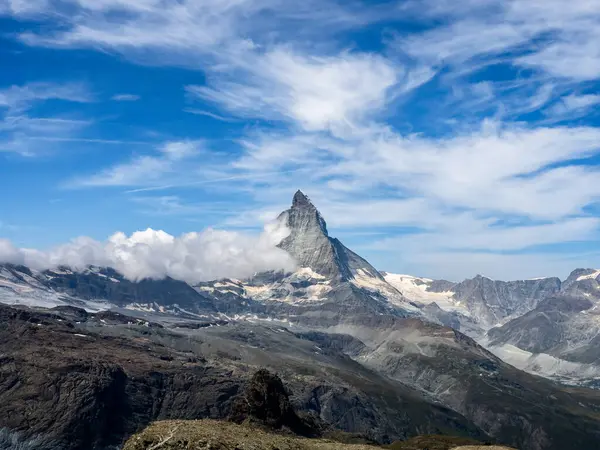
x=491, y=301
x=266, y=402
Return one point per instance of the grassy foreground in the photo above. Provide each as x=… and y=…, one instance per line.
x=216, y=435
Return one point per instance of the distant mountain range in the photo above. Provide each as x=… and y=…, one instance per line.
x=359, y=345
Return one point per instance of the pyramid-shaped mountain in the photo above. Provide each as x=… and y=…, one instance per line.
x=311, y=246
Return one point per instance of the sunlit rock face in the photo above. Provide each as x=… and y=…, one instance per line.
x=310, y=245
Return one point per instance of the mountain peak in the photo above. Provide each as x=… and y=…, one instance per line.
x=301, y=201
x=310, y=245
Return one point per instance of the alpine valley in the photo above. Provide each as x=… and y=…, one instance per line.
x=88, y=358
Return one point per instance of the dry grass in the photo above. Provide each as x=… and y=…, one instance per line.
x=215, y=435
x=482, y=447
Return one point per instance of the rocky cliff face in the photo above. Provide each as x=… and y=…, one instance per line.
x=564, y=326
x=492, y=301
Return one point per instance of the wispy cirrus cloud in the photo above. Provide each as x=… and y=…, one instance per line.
x=22, y=131
x=125, y=98
x=143, y=169
x=316, y=93
x=573, y=106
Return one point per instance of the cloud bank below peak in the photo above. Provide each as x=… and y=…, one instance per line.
x=192, y=257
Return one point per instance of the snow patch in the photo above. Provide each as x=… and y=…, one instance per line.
x=591, y=276
x=416, y=290
x=366, y=281
x=309, y=273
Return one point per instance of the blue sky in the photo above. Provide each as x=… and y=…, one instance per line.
x=438, y=139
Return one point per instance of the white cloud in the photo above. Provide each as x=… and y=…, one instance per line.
x=125, y=98
x=468, y=233
x=20, y=98
x=498, y=30
x=142, y=170
x=23, y=7
x=248, y=39
x=200, y=112
x=574, y=105
x=495, y=170
x=206, y=28
x=9, y=253
x=316, y=93
x=192, y=257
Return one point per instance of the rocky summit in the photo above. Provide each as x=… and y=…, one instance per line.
x=310, y=245
x=90, y=358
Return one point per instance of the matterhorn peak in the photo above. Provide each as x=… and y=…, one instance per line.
x=301, y=201
x=310, y=245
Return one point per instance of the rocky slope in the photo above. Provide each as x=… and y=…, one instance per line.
x=559, y=337
x=88, y=383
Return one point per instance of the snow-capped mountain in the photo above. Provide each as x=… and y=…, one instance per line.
x=95, y=289
x=312, y=247
x=329, y=277
x=474, y=305
x=543, y=326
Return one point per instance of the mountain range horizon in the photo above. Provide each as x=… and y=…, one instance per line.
x=10, y=254
x=469, y=355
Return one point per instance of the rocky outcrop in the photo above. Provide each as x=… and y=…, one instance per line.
x=265, y=402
